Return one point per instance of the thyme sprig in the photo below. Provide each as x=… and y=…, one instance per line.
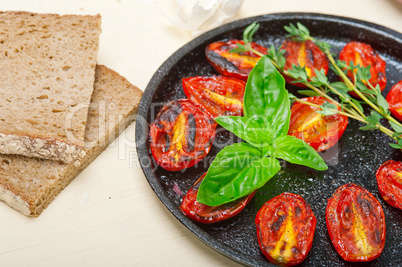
x=320, y=85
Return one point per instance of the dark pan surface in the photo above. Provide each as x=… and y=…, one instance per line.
x=354, y=159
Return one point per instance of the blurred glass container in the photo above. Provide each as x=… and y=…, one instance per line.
x=198, y=16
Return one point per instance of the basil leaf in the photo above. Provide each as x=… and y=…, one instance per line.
x=248, y=129
x=298, y=152
x=237, y=171
x=266, y=97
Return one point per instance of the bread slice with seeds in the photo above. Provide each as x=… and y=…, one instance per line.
x=47, y=69
x=30, y=184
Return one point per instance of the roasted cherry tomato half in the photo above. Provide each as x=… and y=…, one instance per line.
x=219, y=95
x=210, y=214
x=181, y=135
x=389, y=181
x=285, y=229
x=356, y=223
x=394, y=99
x=363, y=54
x=306, y=54
x=236, y=65
x=319, y=131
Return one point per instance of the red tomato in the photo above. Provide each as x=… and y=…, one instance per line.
x=389, y=180
x=356, y=223
x=306, y=54
x=236, y=65
x=319, y=131
x=219, y=95
x=285, y=229
x=210, y=214
x=363, y=54
x=181, y=135
x=394, y=99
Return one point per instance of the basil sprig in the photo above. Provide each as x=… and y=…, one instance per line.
x=241, y=168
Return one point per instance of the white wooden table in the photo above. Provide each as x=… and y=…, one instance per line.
x=109, y=215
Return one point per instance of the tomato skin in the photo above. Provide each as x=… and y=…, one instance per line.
x=394, y=99
x=355, y=222
x=210, y=214
x=363, y=54
x=306, y=54
x=181, y=135
x=389, y=181
x=235, y=65
x=219, y=95
x=282, y=220
x=319, y=131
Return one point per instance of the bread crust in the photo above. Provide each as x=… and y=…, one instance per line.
x=29, y=185
x=41, y=148
x=47, y=62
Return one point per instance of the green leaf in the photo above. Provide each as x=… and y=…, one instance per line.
x=302, y=33
x=322, y=78
x=298, y=33
x=397, y=134
x=376, y=116
x=368, y=127
x=396, y=127
x=237, y=171
x=239, y=49
x=324, y=46
x=249, y=32
x=303, y=28
x=281, y=62
x=266, y=97
x=358, y=105
x=363, y=73
x=368, y=91
x=298, y=73
x=340, y=86
x=298, y=152
x=382, y=103
x=272, y=51
x=248, y=129
x=328, y=109
x=292, y=96
x=396, y=146
x=377, y=89
x=308, y=93
x=351, y=65
x=342, y=64
x=399, y=141
x=342, y=90
x=360, y=85
x=277, y=56
x=373, y=120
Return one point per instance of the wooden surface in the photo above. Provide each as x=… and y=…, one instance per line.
x=109, y=216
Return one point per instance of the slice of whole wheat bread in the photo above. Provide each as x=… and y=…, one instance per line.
x=30, y=184
x=47, y=68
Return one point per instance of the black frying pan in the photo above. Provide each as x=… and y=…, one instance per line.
x=354, y=159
